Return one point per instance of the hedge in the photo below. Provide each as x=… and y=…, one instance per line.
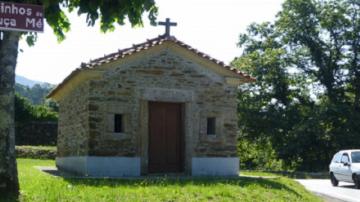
x=36, y=133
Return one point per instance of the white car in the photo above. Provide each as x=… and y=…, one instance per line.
x=345, y=166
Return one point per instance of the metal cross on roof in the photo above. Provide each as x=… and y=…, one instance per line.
x=167, y=25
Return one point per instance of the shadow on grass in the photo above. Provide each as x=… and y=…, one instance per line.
x=305, y=175
x=296, y=174
x=197, y=181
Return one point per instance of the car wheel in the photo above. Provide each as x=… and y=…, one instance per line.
x=334, y=181
x=357, y=181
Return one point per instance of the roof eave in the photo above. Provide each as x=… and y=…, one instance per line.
x=77, y=76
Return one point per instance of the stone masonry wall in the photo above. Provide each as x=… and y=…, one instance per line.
x=121, y=90
x=73, y=124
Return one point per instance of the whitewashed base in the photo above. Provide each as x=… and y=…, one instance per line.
x=100, y=166
x=215, y=166
x=130, y=166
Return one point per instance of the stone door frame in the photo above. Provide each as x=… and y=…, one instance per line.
x=186, y=98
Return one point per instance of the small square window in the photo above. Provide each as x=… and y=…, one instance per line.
x=211, y=125
x=119, y=123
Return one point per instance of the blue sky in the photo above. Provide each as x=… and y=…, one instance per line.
x=211, y=26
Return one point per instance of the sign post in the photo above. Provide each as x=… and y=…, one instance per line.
x=21, y=17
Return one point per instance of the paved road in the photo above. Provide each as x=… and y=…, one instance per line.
x=344, y=192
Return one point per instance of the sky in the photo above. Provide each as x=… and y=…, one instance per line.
x=211, y=26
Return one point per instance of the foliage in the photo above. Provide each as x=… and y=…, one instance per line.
x=26, y=112
x=36, y=152
x=307, y=95
x=109, y=13
x=36, y=94
x=39, y=186
x=258, y=155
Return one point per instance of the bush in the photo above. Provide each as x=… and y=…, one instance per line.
x=36, y=152
x=36, y=133
x=258, y=155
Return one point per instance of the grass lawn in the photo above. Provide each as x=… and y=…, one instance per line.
x=38, y=186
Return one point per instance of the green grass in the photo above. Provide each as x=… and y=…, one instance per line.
x=38, y=186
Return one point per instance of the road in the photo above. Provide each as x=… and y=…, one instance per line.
x=344, y=192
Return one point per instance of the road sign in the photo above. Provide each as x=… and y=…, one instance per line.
x=21, y=17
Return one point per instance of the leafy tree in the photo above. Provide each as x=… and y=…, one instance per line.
x=332, y=45
x=267, y=108
x=109, y=13
x=25, y=111
x=36, y=94
x=306, y=98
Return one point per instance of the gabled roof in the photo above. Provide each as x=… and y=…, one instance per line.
x=92, y=64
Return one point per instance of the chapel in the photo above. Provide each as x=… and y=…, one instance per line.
x=160, y=106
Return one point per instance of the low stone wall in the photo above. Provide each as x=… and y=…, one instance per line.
x=36, y=133
x=36, y=152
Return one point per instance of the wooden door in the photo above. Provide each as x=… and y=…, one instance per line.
x=165, y=137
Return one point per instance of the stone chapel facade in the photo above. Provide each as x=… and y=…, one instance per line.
x=157, y=107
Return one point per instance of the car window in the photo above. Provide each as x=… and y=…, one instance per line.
x=337, y=158
x=355, y=156
x=345, y=158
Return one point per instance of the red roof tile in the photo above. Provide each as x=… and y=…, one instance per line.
x=121, y=53
x=151, y=43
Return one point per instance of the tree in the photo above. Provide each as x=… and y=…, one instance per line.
x=332, y=46
x=307, y=65
x=268, y=108
x=109, y=13
x=36, y=94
